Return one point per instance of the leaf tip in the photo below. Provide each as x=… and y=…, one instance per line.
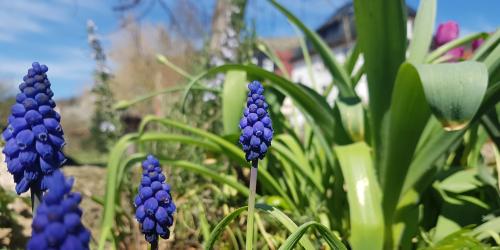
x=454, y=125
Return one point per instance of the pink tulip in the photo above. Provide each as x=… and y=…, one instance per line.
x=446, y=32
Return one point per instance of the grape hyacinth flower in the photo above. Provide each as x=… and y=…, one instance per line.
x=256, y=135
x=256, y=126
x=57, y=220
x=34, y=137
x=154, y=204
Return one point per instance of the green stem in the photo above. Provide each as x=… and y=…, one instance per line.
x=251, y=204
x=36, y=199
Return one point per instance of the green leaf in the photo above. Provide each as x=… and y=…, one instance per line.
x=381, y=29
x=207, y=172
x=489, y=44
x=484, y=230
x=294, y=238
x=221, y=226
x=233, y=99
x=353, y=117
x=229, y=149
x=451, y=217
x=111, y=184
x=352, y=58
x=409, y=114
x=461, y=181
x=273, y=212
x=459, y=240
x=338, y=72
x=492, y=60
x=310, y=105
x=363, y=194
x=454, y=93
x=271, y=54
x=423, y=29
x=124, y=104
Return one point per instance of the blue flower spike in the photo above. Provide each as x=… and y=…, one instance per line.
x=255, y=139
x=256, y=126
x=154, y=204
x=34, y=137
x=57, y=220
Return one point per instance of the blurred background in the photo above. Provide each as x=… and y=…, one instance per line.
x=103, y=52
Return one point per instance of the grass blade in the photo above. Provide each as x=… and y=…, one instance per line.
x=424, y=27
x=338, y=72
x=294, y=238
x=272, y=211
x=123, y=104
x=316, y=108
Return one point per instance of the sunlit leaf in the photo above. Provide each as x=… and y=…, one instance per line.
x=233, y=100
x=363, y=193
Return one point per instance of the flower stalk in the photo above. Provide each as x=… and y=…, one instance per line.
x=36, y=199
x=251, y=204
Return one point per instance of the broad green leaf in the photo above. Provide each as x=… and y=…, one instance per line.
x=381, y=30
x=409, y=114
x=324, y=51
x=364, y=196
x=233, y=99
x=423, y=29
x=273, y=212
x=353, y=117
x=454, y=93
x=440, y=142
x=293, y=239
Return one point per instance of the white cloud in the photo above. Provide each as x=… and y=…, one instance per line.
x=75, y=69
x=25, y=16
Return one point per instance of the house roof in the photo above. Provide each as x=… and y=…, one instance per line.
x=340, y=28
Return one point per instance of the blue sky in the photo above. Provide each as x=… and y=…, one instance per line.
x=53, y=31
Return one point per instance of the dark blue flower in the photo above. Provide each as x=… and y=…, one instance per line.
x=154, y=204
x=256, y=126
x=34, y=135
x=57, y=220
